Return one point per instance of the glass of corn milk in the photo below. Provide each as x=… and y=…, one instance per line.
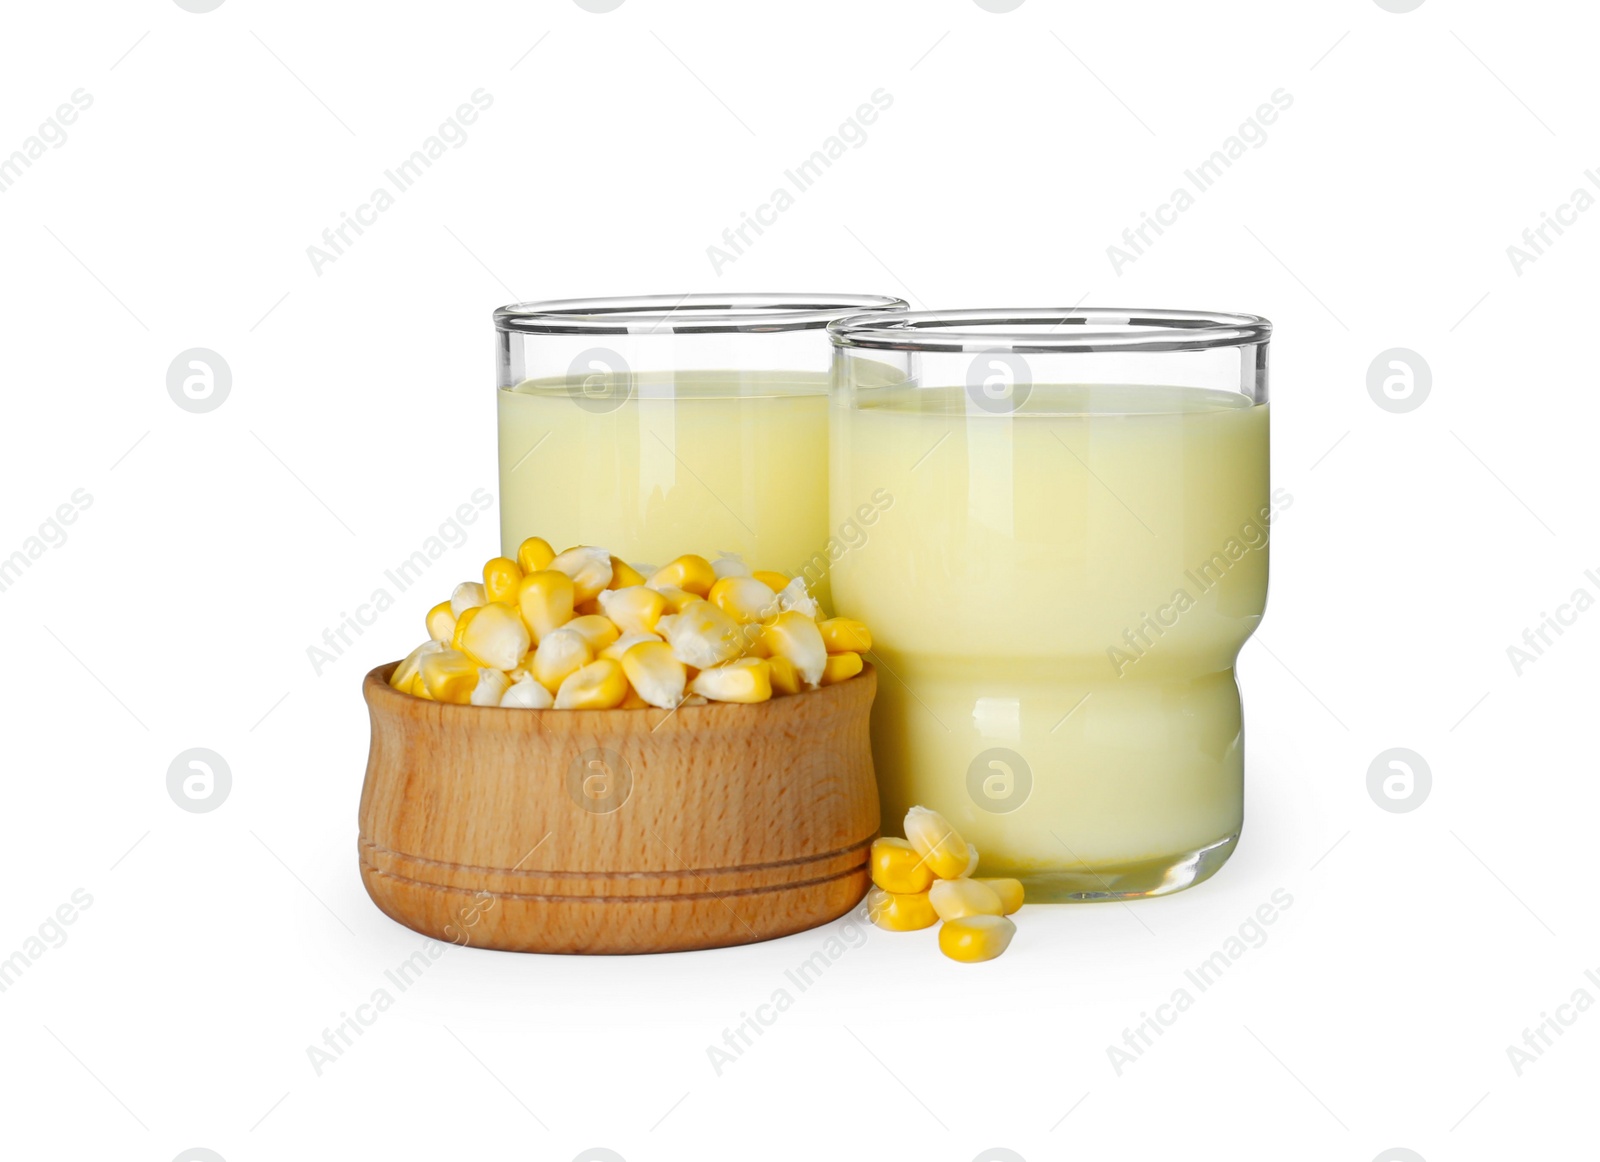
x=658, y=425
x=1073, y=552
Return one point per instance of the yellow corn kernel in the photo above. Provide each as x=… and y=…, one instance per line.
x=702, y=635
x=419, y=687
x=441, y=622
x=467, y=595
x=545, y=599
x=687, y=572
x=744, y=599
x=462, y=621
x=896, y=867
x=975, y=938
x=623, y=574
x=600, y=685
x=900, y=911
x=534, y=555
x=590, y=570
x=449, y=676
x=972, y=860
x=838, y=667
x=562, y=652
x=773, y=581
x=623, y=644
x=527, y=694
x=937, y=842
x=406, y=671
x=500, y=577
x=633, y=701
x=655, y=675
x=793, y=635
x=785, y=678
x=742, y=680
x=675, y=598
x=495, y=636
x=1009, y=891
x=597, y=630
x=634, y=609
x=954, y=899
x=843, y=635
x=491, y=687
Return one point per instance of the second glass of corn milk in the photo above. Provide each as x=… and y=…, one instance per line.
x=1072, y=553
x=670, y=424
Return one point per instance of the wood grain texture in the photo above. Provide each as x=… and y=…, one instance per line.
x=618, y=831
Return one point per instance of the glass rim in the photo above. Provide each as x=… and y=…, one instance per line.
x=1043, y=330
x=691, y=314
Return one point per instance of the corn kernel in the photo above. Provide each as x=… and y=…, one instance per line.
x=633, y=701
x=900, y=912
x=407, y=670
x=441, y=622
x=500, y=577
x=937, y=842
x=687, y=572
x=729, y=565
x=600, y=685
x=843, y=635
x=1009, y=891
x=954, y=899
x=744, y=599
x=975, y=938
x=460, y=629
x=527, y=694
x=972, y=860
x=597, y=630
x=495, y=636
x=561, y=653
x=773, y=581
x=838, y=667
x=634, y=609
x=623, y=644
x=742, y=680
x=702, y=635
x=467, y=595
x=785, y=678
x=590, y=570
x=419, y=687
x=545, y=599
x=449, y=676
x=534, y=555
x=491, y=687
x=797, y=597
x=623, y=575
x=793, y=635
x=675, y=598
x=655, y=675
x=896, y=867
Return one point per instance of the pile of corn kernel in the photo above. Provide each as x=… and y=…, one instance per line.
x=583, y=630
x=925, y=879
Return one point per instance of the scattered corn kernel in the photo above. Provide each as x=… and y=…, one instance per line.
x=742, y=680
x=589, y=568
x=655, y=674
x=600, y=685
x=975, y=938
x=500, y=577
x=1009, y=891
x=597, y=630
x=953, y=899
x=898, y=867
x=687, y=572
x=634, y=609
x=900, y=912
x=491, y=687
x=448, y=676
x=527, y=694
x=793, y=635
x=535, y=554
x=702, y=635
x=744, y=599
x=545, y=600
x=785, y=678
x=946, y=853
x=495, y=636
x=623, y=574
x=840, y=667
x=467, y=595
x=441, y=622
x=562, y=652
x=842, y=635
x=773, y=581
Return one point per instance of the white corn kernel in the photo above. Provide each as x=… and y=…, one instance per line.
x=634, y=609
x=526, y=694
x=491, y=687
x=495, y=636
x=655, y=674
x=953, y=899
x=744, y=599
x=560, y=653
x=795, y=636
x=797, y=597
x=589, y=568
x=938, y=843
x=729, y=565
x=702, y=635
x=468, y=595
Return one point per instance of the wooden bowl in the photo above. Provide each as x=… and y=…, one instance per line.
x=618, y=830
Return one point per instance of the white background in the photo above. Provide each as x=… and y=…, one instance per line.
x=218, y=546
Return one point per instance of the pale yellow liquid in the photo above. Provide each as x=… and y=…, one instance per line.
x=690, y=462
x=1017, y=552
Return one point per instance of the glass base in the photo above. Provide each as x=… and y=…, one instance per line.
x=1130, y=881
